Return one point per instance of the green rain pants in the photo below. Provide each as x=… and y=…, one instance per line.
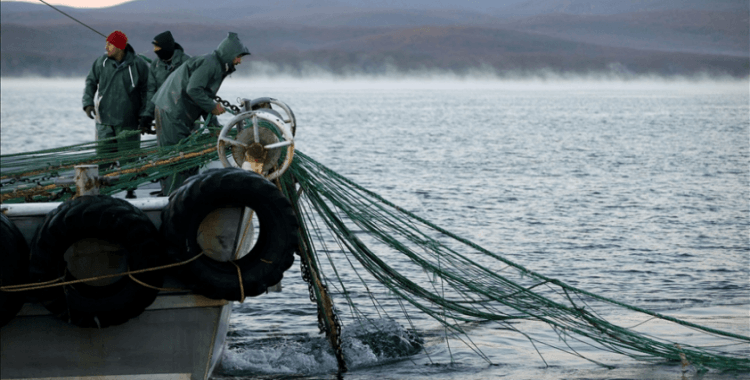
x=118, y=146
x=170, y=132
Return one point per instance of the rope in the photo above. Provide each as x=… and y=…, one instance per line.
x=239, y=277
x=28, y=193
x=139, y=282
x=53, y=283
x=180, y=157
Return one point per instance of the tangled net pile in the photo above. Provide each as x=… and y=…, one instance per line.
x=33, y=176
x=398, y=258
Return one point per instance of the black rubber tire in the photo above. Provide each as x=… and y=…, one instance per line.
x=14, y=268
x=276, y=244
x=106, y=218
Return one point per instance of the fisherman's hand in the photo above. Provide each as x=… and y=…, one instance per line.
x=89, y=110
x=218, y=110
x=145, y=125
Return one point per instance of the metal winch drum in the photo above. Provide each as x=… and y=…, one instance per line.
x=262, y=133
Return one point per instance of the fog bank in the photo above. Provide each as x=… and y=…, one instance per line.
x=263, y=78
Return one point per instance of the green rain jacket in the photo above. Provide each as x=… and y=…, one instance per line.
x=158, y=73
x=189, y=92
x=122, y=89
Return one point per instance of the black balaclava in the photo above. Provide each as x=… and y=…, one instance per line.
x=166, y=42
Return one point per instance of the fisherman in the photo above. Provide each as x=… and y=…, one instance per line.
x=121, y=78
x=188, y=93
x=171, y=56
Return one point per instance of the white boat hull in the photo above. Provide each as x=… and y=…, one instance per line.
x=180, y=336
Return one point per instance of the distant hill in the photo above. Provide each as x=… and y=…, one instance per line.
x=529, y=8
x=462, y=48
x=693, y=31
x=665, y=37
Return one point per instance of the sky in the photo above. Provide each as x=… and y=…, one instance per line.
x=79, y=3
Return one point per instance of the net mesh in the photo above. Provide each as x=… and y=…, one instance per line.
x=400, y=258
x=375, y=257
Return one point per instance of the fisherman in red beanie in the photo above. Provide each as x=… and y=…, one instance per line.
x=115, y=94
x=117, y=41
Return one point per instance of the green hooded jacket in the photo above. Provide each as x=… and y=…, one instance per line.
x=189, y=92
x=122, y=89
x=158, y=73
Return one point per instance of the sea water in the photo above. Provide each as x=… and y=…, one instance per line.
x=635, y=190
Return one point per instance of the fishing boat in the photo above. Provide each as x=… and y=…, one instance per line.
x=102, y=287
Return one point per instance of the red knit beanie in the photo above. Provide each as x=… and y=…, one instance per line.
x=119, y=39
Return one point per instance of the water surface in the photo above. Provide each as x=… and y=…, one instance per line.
x=636, y=191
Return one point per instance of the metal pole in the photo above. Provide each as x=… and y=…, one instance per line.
x=74, y=19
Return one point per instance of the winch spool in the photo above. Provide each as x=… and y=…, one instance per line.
x=267, y=104
x=260, y=136
x=254, y=150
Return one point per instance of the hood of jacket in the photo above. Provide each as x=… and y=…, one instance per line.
x=228, y=49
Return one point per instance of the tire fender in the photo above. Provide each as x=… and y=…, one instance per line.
x=114, y=221
x=264, y=265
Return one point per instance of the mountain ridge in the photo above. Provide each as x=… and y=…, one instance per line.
x=338, y=35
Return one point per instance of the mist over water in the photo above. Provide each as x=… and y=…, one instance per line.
x=56, y=101
x=633, y=188
x=482, y=74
